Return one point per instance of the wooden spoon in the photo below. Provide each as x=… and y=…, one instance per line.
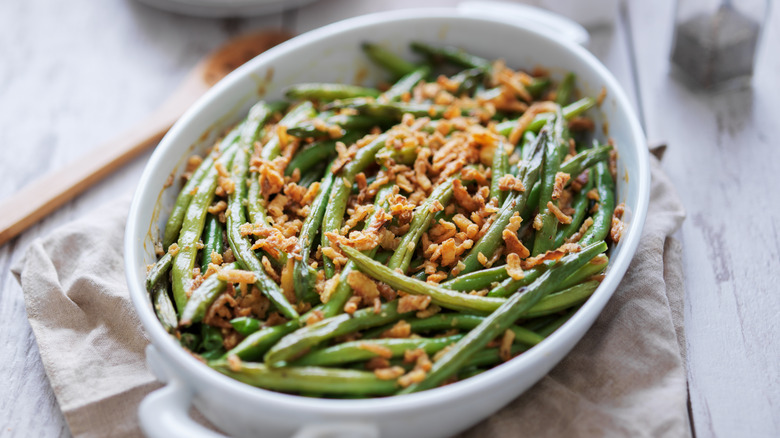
x=50, y=192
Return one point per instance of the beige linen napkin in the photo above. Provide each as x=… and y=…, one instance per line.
x=625, y=378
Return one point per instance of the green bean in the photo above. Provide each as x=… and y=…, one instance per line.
x=339, y=297
x=536, y=324
x=190, y=341
x=417, y=262
x=497, y=322
x=468, y=372
x=339, y=195
x=255, y=205
x=255, y=345
x=462, y=321
x=491, y=356
x=531, y=205
x=499, y=169
x=389, y=155
x=258, y=116
x=191, y=229
x=561, y=134
x=383, y=256
x=577, y=164
x=477, y=280
x=163, y=306
x=578, y=107
x=443, y=297
x=251, y=132
x=580, y=205
x=360, y=350
x=175, y=220
x=555, y=325
x=452, y=54
x=317, y=153
x=311, y=129
x=259, y=339
x=602, y=219
x=298, y=342
x=388, y=60
x=562, y=300
x=159, y=270
x=314, y=174
x=421, y=221
x=321, y=91
x=537, y=86
x=570, y=111
x=468, y=322
x=346, y=122
x=246, y=325
x=490, y=241
x=213, y=354
x=273, y=147
x=308, y=379
x=545, y=236
x=202, y=297
x=369, y=180
x=240, y=244
x=490, y=94
x=309, y=230
x=520, y=152
x=406, y=83
x=526, y=147
x=310, y=295
x=510, y=285
x=211, y=338
x=390, y=110
x=421, y=275
x=505, y=128
x=213, y=242
x=565, y=89
x=468, y=81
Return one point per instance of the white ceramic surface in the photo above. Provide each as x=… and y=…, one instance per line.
x=225, y=8
x=332, y=54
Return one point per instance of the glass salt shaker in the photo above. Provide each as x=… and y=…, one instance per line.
x=716, y=41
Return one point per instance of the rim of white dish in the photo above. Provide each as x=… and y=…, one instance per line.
x=575, y=327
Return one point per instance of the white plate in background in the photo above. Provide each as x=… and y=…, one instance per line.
x=225, y=8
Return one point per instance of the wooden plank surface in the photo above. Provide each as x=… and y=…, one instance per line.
x=76, y=73
x=722, y=155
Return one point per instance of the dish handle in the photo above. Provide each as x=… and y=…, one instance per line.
x=164, y=413
x=530, y=16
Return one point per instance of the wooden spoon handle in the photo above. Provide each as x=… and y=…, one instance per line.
x=51, y=191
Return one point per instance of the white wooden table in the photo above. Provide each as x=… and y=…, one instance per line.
x=73, y=74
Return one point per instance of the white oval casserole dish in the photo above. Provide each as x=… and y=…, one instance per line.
x=332, y=54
